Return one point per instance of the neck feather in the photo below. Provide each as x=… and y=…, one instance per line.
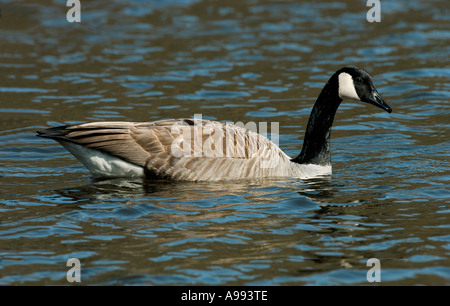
x=316, y=144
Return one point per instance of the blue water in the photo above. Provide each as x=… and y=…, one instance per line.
x=256, y=61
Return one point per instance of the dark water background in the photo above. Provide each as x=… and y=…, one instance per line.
x=259, y=61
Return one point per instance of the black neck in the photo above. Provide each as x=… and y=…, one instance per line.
x=316, y=144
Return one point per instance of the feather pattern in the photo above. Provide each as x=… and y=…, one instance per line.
x=181, y=149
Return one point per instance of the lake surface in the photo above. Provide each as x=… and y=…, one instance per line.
x=249, y=61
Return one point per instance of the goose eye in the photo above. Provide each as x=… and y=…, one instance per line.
x=359, y=80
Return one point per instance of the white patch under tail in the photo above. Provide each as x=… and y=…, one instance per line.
x=102, y=164
x=346, y=87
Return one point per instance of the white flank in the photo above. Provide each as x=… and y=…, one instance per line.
x=346, y=87
x=101, y=164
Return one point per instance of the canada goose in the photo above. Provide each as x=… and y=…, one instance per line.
x=168, y=149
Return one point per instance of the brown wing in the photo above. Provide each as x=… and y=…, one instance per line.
x=175, y=148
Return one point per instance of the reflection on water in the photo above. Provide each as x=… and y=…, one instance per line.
x=232, y=61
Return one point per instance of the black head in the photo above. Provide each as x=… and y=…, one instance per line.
x=356, y=84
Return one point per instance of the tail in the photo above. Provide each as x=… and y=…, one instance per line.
x=56, y=133
x=78, y=140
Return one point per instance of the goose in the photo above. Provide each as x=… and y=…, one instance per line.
x=169, y=149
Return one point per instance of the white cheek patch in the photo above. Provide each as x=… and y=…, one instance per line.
x=346, y=88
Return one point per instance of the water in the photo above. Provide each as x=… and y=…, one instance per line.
x=251, y=61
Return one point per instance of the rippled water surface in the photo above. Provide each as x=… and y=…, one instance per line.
x=249, y=61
